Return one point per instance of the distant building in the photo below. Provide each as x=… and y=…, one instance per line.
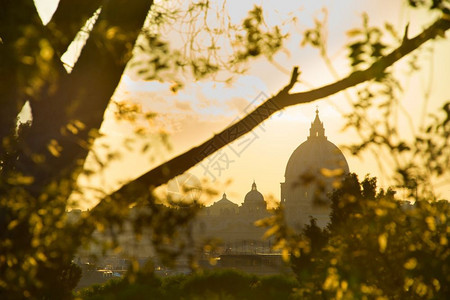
x=254, y=203
x=311, y=172
x=222, y=208
x=234, y=224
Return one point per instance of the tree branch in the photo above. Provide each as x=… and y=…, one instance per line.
x=83, y=95
x=68, y=19
x=185, y=161
x=23, y=43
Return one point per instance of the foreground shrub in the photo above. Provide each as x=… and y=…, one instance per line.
x=220, y=284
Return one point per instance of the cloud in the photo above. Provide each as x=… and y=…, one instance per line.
x=205, y=99
x=183, y=105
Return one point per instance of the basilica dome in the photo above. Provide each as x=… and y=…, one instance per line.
x=312, y=171
x=223, y=207
x=254, y=200
x=254, y=197
x=315, y=156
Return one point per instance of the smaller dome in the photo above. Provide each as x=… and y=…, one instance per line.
x=225, y=202
x=254, y=198
x=223, y=207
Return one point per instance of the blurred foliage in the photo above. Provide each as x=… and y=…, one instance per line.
x=37, y=243
x=442, y=5
x=256, y=41
x=35, y=251
x=285, y=239
x=374, y=247
x=368, y=46
x=382, y=247
x=417, y=159
x=226, y=284
x=211, y=47
x=39, y=240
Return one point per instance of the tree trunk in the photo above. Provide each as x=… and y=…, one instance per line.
x=53, y=147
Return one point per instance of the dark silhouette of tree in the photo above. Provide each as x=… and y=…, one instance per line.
x=309, y=265
x=375, y=246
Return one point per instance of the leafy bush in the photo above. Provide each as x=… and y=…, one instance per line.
x=220, y=284
x=377, y=247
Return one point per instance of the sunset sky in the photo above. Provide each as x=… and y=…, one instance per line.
x=204, y=108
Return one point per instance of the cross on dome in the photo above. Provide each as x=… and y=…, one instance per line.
x=317, y=130
x=254, y=186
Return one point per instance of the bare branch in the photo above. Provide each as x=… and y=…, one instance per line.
x=405, y=35
x=21, y=60
x=293, y=81
x=83, y=98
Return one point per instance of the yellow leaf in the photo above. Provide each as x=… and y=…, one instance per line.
x=112, y=32
x=46, y=50
x=344, y=285
x=408, y=283
x=35, y=242
x=72, y=128
x=382, y=241
x=21, y=180
x=32, y=261
x=271, y=231
x=353, y=32
x=79, y=124
x=431, y=223
x=421, y=289
x=100, y=227
x=380, y=212
x=54, y=148
x=285, y=255
x=436, y=284
x=410, y=264
x=331, y=172
x=13, y=224
x=41, y=256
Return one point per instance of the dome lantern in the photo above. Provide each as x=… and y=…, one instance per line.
x=317, y=130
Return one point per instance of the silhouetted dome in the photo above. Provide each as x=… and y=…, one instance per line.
x=225, y=202
x=254, y=198
x=223, y=206
x=314, y=154
x=311, y=173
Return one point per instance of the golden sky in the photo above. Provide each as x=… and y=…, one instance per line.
x=203, y=108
